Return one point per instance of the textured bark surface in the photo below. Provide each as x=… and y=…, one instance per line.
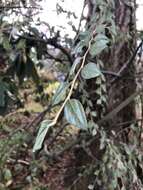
x=117, y=92
x=114, y=60
x=119, y=55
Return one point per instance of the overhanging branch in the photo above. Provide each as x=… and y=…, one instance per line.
x=52, y=42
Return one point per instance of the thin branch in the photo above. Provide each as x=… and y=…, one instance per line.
x=73, y=83
x=127, y=128
x=128, y=122
x=116, y=110
x=50, y=56
x=123, y=69
x=52, y=42
x=53, y=139
x=36, y=121
x=78, y=30
x=110, y=73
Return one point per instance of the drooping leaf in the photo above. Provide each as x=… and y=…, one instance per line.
x=6, y=43
x=75, y=63
x=84, y=40
x=31, y=71
x=60, y=93
x=90, y=71
x=79, y=47
x=45, y=125
x=75, y=115
x=100, y=44
x=85, y=36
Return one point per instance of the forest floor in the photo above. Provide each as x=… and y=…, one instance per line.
x=20, y=169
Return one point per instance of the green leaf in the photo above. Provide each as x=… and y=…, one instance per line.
x=90, y=71
x=79, y=47
x=6, y=44
x=75, y=115
x=99, y=91
x=84, y=40
x=100, y=37
x=21, y=44
x=99, y=102
x=7, y=175
x=99, y=45
x=85, y=35
x=75, y=63
x=45, y=125
x=60, y=93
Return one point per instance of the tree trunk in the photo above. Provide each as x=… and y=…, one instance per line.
x=120, y=54
x=118, y=89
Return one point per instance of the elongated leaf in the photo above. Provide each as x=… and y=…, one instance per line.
x=60, y=93
x=75, y=63
x=79, y=46
x=45, y=125
x=75, y=115
x=90, y=71
x=84, y=40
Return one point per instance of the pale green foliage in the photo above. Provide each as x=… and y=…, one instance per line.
x=45, y=125
x=99, y=45
x=120, y=162
x=90, y=71
x=60, y=93
x=75, y=64
x=74, y=114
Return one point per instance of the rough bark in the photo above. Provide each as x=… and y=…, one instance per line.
x=115, y=60
x=122, y=88
x=119, y=55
